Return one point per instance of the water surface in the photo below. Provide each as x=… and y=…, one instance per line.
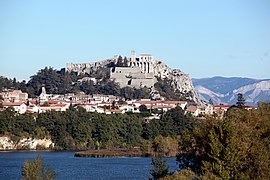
x=67, y=166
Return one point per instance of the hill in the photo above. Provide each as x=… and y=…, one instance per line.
x=131, y=78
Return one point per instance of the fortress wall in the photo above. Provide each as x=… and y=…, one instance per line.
x=132, y=77
x=137, y=83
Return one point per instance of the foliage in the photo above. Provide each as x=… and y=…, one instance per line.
x=184, y=174
x=167, y=146
x=240, y=101
x=235, y=147
x=160, y=168
x=34, y=170
x=78, y=129
x=166, y=89
x=6, y=83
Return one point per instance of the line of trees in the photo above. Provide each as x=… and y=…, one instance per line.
x=78, y=129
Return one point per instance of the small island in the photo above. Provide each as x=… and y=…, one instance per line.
x=115, y=152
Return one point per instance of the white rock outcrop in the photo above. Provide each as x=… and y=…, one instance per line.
x=7, y=144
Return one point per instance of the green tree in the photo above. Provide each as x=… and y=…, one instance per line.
x=143, y=108
x=240, y=101
x=211, y=102
x=223, y=157
x=34, y=170
x=160, y=168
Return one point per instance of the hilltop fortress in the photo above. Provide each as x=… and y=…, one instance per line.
x=137, y=72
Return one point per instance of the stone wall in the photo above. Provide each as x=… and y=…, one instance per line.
x=132, y=77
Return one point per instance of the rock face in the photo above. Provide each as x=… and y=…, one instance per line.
x=25, y=143
x=140, y=72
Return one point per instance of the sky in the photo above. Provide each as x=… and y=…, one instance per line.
x=202, y=38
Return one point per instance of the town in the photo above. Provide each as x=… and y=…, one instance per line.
x=99, y=103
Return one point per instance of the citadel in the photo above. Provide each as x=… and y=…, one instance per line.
x=139, y=71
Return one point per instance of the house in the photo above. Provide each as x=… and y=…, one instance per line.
x=194, y=110
x=163, y=107
x=250, y=107
x=19, y=107
x=89, y=107
x=32, y=108
x=55, y=107
x=14, y=96
x=221, y=107
x=182, y=104
x=104, y=104
x=114, y=111
x=129, y=108
x=150, y=104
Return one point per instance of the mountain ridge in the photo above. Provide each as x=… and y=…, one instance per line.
x=225, y=89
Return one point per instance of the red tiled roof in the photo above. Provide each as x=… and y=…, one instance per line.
x=58, y=105
x=108, y=103
x=222, y=106
x=192, y=108
x=161, y=107
x=147, y=102
x=174, y=102
x=114, y=110
x=5, y=103
x=250, y=107
x=87, y=104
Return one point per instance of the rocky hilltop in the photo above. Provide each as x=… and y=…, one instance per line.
x=138, y=72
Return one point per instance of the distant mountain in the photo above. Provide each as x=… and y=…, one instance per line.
x=225, y=90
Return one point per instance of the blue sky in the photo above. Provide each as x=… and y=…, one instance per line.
x=202, y=38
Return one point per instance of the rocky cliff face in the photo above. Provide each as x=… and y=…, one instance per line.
x=180, y=81
x=25, y=143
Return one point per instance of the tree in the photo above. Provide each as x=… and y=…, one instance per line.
x=160, y=168
x=125, y=64
x=120, y=62
x=240, y=101
x=34, y=170
x=211, y=102
x=143, y=108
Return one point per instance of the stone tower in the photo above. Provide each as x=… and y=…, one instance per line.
x=133, y=55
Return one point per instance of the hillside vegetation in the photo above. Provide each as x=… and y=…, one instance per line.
x=61, y=82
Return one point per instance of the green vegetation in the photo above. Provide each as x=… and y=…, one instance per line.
x=166, y=89
x=34, y=170
x=78, y=129
x=160, y=168
x=235, y=147
x=240, y=101
x=61, y=82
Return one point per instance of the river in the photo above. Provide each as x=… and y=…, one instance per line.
x=68, y=167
